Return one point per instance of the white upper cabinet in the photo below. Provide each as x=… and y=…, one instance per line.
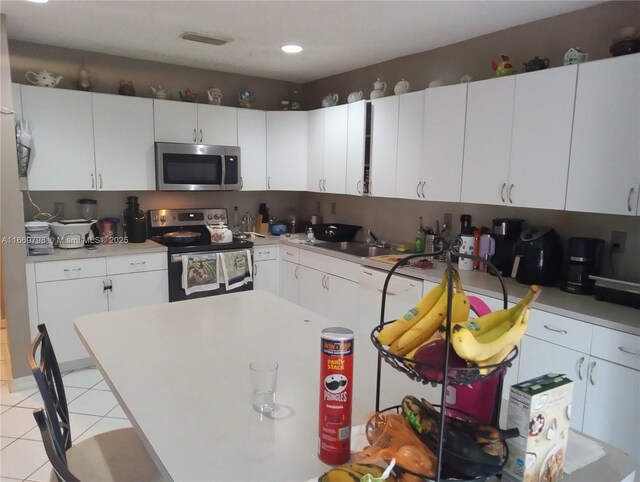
x=123, y=134
x=17, y=100
x=217, y=125
x=252, y=139
x=62, y=157
x=541, y=139
x=443, y=142
x=384, y=146
x=487, y=144
x=287, y=150
x=356, y=135
x=409, y=153
x=189, y=123
x=315, y=155
x=604, y=170
x=175, y=121
x=335, y=148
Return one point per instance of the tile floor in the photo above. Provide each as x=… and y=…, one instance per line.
x=93, y=409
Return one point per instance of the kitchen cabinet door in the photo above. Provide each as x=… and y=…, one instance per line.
x=384, y=146
x=62, y=155
x=123, y=134
x=341, y=301
x=538, y=357
x=217, y=125
x=541, y=140
x=265, y=276
x=443, y=142
x=175, y=121
x=409, y=154
x=17, y=101
x=611, y=411
x=315, y=154
x=138, y=289
x=60, y=302
x=487, y=143
x=252, y=140
x=312, y=290
x=288, y=281
x=604, y=167
x=356, y=135
x=335, y=149
x=287, y=150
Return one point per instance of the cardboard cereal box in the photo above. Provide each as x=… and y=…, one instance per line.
x=540, y=408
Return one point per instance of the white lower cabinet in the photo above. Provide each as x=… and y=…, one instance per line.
x=265, y=268
x=60, y=291
x=312, y=291
x=288, y=281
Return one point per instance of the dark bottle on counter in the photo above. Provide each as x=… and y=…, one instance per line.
x=135, y=222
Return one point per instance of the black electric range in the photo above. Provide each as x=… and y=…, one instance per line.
x=164, y=221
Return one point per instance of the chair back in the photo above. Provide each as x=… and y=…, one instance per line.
x=58, y=463
x=47, y=374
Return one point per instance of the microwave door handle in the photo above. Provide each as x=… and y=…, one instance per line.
x=224, y=170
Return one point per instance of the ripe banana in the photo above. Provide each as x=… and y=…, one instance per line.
x=353, y=473
x=394, y=330
x=469, y=348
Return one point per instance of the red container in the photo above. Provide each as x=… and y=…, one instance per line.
x=336, y=388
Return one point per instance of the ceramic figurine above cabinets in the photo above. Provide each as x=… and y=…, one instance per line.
x=188, y=95
x=295, y=101
x=160, y=92
x=43, y=79
x=245, y=98
x=354, y=97
x=215, y=96
x=401, y=87
x=379, y=89
x=86, y=80
x=126, y=88
x=575, y=56
x=465, y=79
x=436, y=83
x=504, y=67
x=330, y=100
x=536, y=63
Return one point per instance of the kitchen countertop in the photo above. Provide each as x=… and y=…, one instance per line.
x=552, y=300
x=119, y=249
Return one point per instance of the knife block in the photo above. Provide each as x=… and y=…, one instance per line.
x=262, y=228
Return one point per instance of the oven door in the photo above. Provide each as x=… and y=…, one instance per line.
x=177, y=293
x=189, y=167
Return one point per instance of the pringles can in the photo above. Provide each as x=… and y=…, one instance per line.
x=336, y=388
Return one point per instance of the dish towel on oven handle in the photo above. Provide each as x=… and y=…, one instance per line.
x=200, y=272
x=237, y=268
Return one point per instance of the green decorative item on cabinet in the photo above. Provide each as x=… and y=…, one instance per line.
x=504, y=67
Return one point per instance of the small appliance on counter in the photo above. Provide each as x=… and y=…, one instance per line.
x=506, y=233
x=135, y=222
x=70, y=233
x=616, y=291
x=538, y=257
x=88, y=209
x=583, y=260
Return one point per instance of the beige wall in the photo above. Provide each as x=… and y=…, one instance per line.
x=12, y=224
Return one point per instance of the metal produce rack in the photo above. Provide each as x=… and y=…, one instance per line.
x=442, y=247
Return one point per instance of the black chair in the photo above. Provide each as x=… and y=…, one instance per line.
x=117, y=455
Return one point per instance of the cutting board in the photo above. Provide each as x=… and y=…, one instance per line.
x=388, y=258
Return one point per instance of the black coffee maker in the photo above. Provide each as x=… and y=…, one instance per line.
x=506, y=232
x=583, y=259
x=135, y=222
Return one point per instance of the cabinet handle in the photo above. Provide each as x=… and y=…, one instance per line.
x=627, y=350
x=73, y=269
x=388, y=292
x=195, y=138
x=6, y=111
x=100, y=181
x=106, y=286
x=592, y=369
x=418, y=187
x=287, y=253
x=322, y=282
x=370, y=186
x=269, y=182
x=629, y=199
x=295, y=272
x=358, y=184
x=200, y=135
x=424, y=183
x=137, y=263
x=324, y=185
x=255, y=269
x=509, y=194
x=556, y=330
x=579, y=367
x=319, y=184
x=504, y=184
x=93, y=181
x=241, y=182
x=368, y=273
x=326, y=283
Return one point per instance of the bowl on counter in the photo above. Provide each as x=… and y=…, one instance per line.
x=278, y=229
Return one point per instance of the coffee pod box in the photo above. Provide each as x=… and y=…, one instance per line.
x=540, y=408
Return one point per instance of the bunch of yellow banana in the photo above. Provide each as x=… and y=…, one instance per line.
x=420, y=323
x=489, y=339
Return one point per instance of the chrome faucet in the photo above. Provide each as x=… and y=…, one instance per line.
x=371, y=237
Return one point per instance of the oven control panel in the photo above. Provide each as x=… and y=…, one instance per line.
x=160, y=218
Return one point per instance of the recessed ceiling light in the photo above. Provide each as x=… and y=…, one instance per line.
x=197, y=37
x=291, y=49
x=38, y=1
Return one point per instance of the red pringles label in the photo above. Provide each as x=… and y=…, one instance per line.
x=336, y=388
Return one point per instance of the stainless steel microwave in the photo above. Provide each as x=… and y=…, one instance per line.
x=197, y=167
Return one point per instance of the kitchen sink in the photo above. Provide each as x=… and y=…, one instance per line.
x=355, y=249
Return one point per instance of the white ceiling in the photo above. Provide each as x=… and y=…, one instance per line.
x=337, y=36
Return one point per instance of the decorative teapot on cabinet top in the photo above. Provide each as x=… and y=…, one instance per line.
x=43, y=79
x=379, y=88
x=160, y=92
x=215, y=95
x=354, y=96
x=330, y=100
x=536, y=63
x=401, y=87
x=504, y=67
